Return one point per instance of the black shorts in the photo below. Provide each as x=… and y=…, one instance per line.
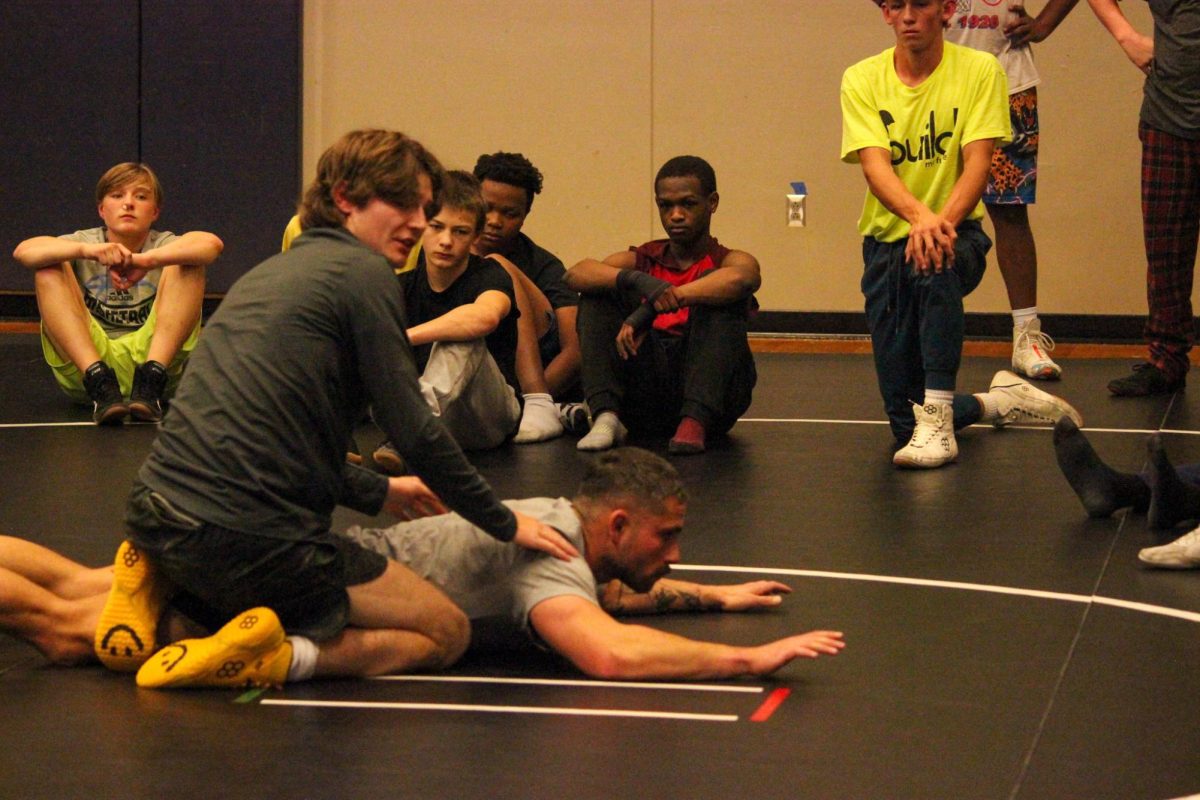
x=220, y=573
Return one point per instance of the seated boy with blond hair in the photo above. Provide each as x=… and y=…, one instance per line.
x=120, y=303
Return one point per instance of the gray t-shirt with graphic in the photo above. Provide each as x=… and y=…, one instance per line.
x=496, y=584
x=119, y=311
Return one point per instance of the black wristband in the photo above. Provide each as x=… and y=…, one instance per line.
x=645, y=284
x=642, y=317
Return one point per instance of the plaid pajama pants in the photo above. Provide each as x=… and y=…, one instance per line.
x=1171, y=227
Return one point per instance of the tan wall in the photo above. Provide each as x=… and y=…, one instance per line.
x=599, y=94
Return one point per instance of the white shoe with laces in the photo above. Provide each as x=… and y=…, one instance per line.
x=1183, y=553
x=932, y=443
x=1018, y=400
x=1031, y=352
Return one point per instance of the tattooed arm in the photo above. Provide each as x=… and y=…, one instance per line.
x=673, y=595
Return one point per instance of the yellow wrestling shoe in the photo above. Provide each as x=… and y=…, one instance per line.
x=249, y=651
x=125, y=635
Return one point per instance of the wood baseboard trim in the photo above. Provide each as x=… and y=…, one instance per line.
x=856, y=346
x=987, y=349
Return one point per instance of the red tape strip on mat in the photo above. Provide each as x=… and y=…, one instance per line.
x=773, y=701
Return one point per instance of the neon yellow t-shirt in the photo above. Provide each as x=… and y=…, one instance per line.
x=924, y=127
x=293, y=230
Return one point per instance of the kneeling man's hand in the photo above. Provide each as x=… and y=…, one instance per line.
x=538, y=535
x=409, y=498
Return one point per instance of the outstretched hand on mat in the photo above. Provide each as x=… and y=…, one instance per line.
x=745, y=596
x=769, y=657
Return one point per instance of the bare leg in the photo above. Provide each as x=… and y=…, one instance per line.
x=539, y=306
x=529, y=361
x=64, y=316
x=62, y=630
x=177, y=308
x=53, y=571
x=400, y=623
x=1016, y=252
x=563, y=371
x=539, y=418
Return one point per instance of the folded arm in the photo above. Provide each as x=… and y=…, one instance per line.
x=466, y=323
x=591, y=276
x=737, y=278
x=193, y=248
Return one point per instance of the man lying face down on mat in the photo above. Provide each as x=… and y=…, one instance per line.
x=625, y=519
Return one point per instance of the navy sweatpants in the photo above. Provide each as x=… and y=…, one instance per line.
x=916, y=324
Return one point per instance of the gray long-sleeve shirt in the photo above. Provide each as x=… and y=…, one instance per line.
x=255, y=440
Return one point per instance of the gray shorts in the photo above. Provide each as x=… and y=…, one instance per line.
x=220, y=573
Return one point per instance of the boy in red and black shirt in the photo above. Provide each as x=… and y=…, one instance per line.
x=662, y=327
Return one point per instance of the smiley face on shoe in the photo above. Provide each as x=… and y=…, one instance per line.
x=123, y=642
x=169, y=657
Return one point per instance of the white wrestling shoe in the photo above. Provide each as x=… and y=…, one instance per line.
x=932, y=443
x=1183, y=553
x=1017, y=400
x=1031, y=352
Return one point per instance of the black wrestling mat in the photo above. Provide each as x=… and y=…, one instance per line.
x=999, y=643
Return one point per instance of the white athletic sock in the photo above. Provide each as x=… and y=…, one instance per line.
x=942, y=397
x=1023, y=315
x=304, y=659
x=539, y=419
x=991, y=411
x=607, y=431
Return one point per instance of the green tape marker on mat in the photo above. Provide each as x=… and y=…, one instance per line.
x=251, y=695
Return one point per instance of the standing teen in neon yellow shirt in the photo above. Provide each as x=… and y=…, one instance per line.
x=922, y=119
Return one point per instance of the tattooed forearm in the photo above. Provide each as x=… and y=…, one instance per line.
x=613, y=598
x=617, y=598
x=667, y=599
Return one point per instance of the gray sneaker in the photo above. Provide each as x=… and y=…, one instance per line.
x=1183, y=553
x=1018, y=400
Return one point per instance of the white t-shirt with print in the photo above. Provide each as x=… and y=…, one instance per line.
x=979, y=24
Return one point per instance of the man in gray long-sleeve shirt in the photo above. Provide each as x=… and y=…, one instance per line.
x=233, y=506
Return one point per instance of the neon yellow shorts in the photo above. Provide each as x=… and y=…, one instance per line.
x=123, y=353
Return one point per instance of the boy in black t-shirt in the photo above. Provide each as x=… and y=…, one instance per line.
x=461, y=313
x=508, y=183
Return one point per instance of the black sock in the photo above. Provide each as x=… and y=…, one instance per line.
x=1171, y=500
x=1100, y=488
